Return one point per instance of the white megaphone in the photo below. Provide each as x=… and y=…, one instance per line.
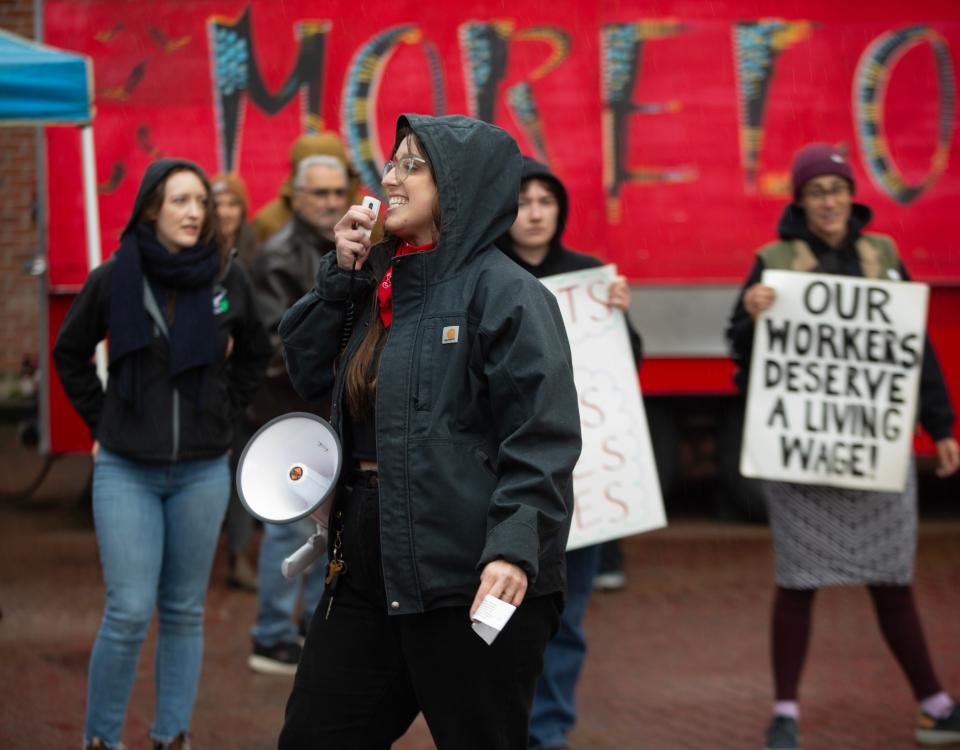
x=289, y=471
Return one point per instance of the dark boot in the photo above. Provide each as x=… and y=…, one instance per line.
x=180, y=742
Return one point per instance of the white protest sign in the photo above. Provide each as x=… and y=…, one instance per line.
x=617, y=492
x=834, y=380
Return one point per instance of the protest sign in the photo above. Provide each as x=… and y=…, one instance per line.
x=617, y=492
x=834, y=380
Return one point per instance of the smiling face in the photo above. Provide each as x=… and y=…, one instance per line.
x=181, y=217
x=412, y=212
x=536, y=221
x=827, y=202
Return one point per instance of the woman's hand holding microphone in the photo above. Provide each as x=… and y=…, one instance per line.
x=352, y=235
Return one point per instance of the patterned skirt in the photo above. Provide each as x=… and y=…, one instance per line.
x=827, y=536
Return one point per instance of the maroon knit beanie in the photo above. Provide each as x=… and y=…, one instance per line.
x=816, y=160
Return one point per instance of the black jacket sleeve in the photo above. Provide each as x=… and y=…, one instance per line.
x=740, y=329
x=936, y=413
x=312, y=329
x=527, y=366
x=83, y=328
x=275, y=287
x=251, y=354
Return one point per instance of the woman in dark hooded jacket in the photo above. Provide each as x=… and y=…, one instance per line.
x=455, y=400
x=187, y=352
x=829, y=536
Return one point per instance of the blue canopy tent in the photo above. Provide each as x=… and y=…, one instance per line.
x=40, y=86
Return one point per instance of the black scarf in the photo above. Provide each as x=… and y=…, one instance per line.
x=190, y=273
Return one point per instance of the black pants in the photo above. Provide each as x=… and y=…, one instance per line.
x=364, y=675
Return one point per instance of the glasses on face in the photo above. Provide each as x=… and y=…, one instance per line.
x=837, y=190
x=325, y=192
x=405, y=166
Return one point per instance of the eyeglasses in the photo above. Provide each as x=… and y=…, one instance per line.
x=325, y=192
x=838, y=190
x=405, y=167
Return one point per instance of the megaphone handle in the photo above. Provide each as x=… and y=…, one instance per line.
x=308, y=554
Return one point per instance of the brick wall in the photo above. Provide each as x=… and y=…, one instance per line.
x=19, y=293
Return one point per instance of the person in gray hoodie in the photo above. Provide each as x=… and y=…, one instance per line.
x=455, y=400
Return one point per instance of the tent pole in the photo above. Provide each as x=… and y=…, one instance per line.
x=91, y=214
x=91, y=211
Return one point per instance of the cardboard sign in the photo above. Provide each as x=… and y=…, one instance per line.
x=617, y=492
x=834, y=381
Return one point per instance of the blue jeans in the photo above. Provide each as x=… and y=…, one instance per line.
x=554, y=712
x=276, y=596
x=157, y=529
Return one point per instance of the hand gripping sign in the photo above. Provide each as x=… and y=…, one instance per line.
x=617, y=492
x=834, y=381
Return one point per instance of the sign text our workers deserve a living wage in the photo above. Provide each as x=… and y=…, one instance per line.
x=834, y=381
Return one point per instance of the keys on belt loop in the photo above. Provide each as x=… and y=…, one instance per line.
x=336, y=567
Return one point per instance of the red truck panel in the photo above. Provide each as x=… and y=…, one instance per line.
x=672, y=123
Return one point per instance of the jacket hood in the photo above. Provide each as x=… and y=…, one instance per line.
x=154, y=175
x=476, y=167
x=793, y=222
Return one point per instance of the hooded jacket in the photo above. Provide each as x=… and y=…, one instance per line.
x=477, y=424
x=166, y=428
x=560, y=259
x=936, y=413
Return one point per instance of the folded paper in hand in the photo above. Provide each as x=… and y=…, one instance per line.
x=491, y=617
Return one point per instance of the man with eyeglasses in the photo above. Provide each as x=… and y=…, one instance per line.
x=826, y=536
x=275, y=214
x=284, y=272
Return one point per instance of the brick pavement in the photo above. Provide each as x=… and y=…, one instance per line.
x=678, y=660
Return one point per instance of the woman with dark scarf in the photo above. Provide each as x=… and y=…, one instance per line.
x=827, y=536
x=187, y=351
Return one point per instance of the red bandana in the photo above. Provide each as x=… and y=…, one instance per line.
x=385, y=290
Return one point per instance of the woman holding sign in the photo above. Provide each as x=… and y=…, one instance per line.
x=828, y=536
x=455, y=400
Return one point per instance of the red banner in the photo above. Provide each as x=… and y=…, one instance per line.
x=672, y=125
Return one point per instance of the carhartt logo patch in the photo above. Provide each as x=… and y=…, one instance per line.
x=451, y=334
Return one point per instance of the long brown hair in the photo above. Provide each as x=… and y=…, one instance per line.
x=361, y=371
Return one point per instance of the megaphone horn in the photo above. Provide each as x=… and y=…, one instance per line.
x=288, y=471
